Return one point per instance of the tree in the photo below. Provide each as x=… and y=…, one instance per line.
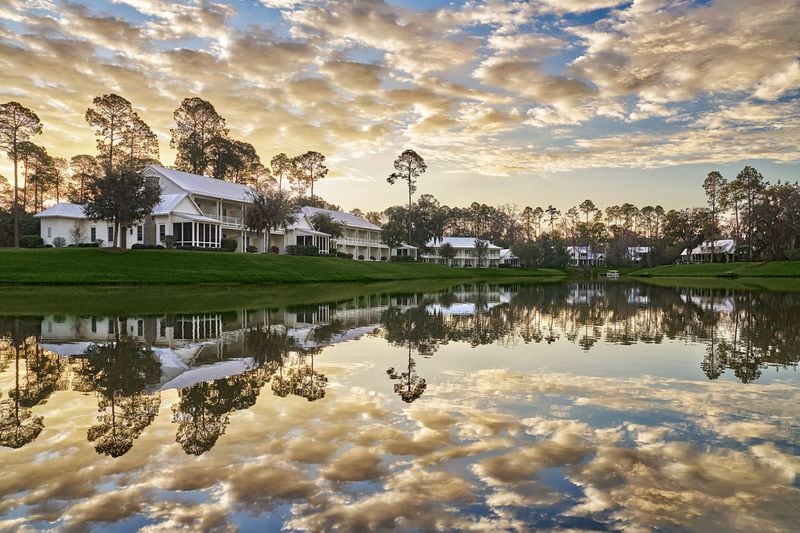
x=552, y=215
x=587, y=207
x=311, y=167
x=17, y=124
x=527, y=219
x=447, y=252
x=235, y=161
x=85, y=168
x=283, y=167
x=751, y=184
x=139, y=143
x=713, y=187
x=110, y=117
x=197, y=123
x=408, y=167
x=324, y=222
x=270, y=210
x=481, y=251
x=121, y=197
x=685, y=226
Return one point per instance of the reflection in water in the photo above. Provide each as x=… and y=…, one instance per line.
x=491, y=441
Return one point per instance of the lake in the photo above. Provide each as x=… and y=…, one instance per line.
x=585, y=405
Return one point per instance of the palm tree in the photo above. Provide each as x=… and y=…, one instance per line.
x=270, y=210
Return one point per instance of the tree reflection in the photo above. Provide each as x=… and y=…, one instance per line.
x=202, y=414
x=36, y=375
x=415, y=330
x=119, y=372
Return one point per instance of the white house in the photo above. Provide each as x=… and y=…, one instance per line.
x=724, y=251
x=465, y=253
x=637, y=253
x=359, y=237
x=508, y=259
x=194, y=210
x=584, y=256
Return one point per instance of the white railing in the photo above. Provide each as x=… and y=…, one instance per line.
x=361, y=242
x=228, y=221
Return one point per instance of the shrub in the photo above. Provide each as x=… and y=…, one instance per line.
x=31, y=241
x=344, y=255
x=138, y=246
x=372, y=258
x=383, y=258
x=229, y=245
x=360, y=257
x=169, y=241
x=295, y=249
x=59, y=242
x=402, y=258
x=251, y=249
x=89, y=244
x=274, y=250
x=201, y=249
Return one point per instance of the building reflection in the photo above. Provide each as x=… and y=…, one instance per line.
x=221, y=361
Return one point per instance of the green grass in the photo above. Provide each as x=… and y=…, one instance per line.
x=86, y=266
x=116, y=300
x=772, y=269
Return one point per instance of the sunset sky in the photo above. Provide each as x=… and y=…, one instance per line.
x=533, y=103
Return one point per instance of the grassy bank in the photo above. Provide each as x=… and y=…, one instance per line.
x=86, y=266
x=772, y=269
x=111, y=300
x=736, y=284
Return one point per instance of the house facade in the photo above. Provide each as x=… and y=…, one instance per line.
x=466, y=255
x=721, y=250
x=584, y=256
x=508, y=259
x=360, y=237
x=193, y=211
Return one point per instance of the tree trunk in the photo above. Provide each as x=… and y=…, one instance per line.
x=15, y=157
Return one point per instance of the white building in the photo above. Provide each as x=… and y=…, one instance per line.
x=466, y=255
x=722, y=250
x=637, y=253
x=508, y=259
x=585, y=256
x=360, y=237
x=194, y=210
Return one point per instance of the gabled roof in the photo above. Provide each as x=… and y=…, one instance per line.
x=457, y=242
x=507, y=254
x=721, y=246
x=63, y=210
x=348, y=219
x=168, y=203
x=202, y=185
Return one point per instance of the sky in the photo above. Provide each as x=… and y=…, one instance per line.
x=532, y=103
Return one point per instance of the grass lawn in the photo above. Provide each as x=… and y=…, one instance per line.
x=118, y=300
x=772, y=269
x=87, y=266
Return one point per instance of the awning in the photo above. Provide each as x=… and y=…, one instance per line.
x=197, y=218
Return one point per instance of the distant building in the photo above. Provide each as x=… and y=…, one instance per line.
x=721, y=250
x=637, y=253
x=465, y=253
x=585, y=256
x=508, y=259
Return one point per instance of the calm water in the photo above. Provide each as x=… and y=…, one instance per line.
x=595, y=406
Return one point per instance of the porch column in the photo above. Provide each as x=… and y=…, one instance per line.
x=194, y=234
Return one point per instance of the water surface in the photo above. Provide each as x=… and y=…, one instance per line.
x=584, y=405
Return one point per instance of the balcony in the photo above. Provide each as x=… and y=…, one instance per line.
x=353, y=241
x=226, y=220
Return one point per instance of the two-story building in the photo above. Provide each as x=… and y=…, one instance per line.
x=466, y=253
x=585, y=256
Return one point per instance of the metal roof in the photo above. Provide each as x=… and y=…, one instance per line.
x=348, y=219
x=203, y=185
x=63, y=210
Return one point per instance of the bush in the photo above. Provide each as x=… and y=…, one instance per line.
x=31, y=241
x=201, y=249
x=229, y=245
x=138, y=246
x=383, y=258
x=274, y=250
x=360, y=257
x=89, y=244
x=402, y=258
x=59, y=242
x=372, y=258
x=251, y=249
x=169, y=241
x=344, y=255
x=295, y=249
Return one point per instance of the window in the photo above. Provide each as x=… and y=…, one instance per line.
x=305, y=240
x=93, y=234
x=139, y=233
x=162, y=231
x=94, y=324
x=49, y=231
x=111, y=235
